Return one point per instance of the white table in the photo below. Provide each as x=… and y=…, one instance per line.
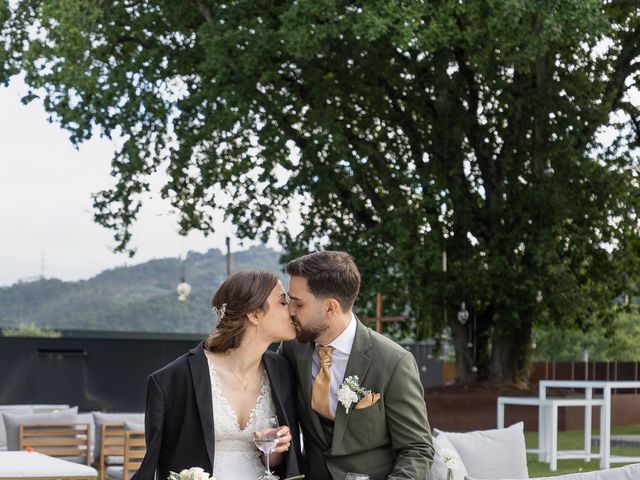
x=548, y=426
x=36, y=466
x=605, y=424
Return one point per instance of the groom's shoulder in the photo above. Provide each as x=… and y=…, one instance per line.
x=276, y=358
x=390, y=349
x=290, y=348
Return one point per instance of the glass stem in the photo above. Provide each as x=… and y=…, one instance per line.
x=268, y=470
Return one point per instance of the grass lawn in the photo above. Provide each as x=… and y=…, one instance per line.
x=574, y=441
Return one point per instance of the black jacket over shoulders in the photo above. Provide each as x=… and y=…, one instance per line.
x=179, y=426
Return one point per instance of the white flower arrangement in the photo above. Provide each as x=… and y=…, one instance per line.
x=451, y=460
x=350, y=392
x=194, y=473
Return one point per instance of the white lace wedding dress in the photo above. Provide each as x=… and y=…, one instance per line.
x=236, y=456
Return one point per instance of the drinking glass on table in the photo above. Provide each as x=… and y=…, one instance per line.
x=356, y=476
x=265, y=437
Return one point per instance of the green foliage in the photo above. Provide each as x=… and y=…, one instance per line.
x=616, y=340
x=29, y=330
x=401, y=129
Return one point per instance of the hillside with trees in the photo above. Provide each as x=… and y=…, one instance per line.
x=140, y=298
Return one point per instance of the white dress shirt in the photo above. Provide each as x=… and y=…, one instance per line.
x=342, y=344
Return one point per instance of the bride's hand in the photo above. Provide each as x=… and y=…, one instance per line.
x=284, y=440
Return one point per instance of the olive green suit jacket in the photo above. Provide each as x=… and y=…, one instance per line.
x=390, y=439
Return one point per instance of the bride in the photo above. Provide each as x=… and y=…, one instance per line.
x=203, y=408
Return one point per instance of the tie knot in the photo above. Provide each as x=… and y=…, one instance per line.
x=325, y=355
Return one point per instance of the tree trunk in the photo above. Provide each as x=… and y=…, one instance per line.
x=510, y=355
x=464, y=355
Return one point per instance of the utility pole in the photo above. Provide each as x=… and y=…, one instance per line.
x=228, y=256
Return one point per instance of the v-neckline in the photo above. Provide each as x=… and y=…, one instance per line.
x=227, y=405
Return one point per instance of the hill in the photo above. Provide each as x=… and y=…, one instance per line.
x=140, y=298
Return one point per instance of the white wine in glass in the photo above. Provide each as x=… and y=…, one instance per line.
x=265, y=438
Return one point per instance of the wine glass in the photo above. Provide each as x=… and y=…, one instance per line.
x=356, y=476
x=265, y=437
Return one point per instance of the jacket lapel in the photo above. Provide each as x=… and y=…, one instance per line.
x=202, y=388
x=358, y=364
x=276, y=385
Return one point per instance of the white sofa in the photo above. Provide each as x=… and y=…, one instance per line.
x=501, y=455
x=13, y=415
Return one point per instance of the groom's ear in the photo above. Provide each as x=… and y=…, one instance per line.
x=332, y=307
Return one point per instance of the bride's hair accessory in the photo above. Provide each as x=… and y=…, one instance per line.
x=218, y=313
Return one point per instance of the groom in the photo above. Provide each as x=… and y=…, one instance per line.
x=379, y=424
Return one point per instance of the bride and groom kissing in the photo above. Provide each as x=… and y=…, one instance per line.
x=355, y=394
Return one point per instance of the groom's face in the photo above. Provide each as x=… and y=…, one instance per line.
x=306, y=311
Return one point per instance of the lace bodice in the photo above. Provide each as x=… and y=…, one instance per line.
x=236, y=456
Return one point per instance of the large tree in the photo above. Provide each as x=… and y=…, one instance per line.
x=398, y=129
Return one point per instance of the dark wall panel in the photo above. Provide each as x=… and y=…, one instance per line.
x=107, y=374
x=95, y=374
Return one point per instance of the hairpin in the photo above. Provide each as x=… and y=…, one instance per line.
x=218, y=313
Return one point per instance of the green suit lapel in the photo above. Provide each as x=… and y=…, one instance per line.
x=358, y=364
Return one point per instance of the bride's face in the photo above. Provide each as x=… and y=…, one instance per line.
x=276, y=324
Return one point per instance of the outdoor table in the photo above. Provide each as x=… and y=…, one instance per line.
x=16, y=465
x=605, y=424
x=548, y=426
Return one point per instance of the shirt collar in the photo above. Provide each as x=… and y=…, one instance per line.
x=344, y=341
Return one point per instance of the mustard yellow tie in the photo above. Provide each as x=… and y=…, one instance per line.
x=322, y=384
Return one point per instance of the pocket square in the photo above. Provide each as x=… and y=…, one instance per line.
x=368, y=400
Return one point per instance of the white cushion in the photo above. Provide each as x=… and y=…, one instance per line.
x=100, y=417
x=116, y=473
x=630, y=472
x=12, y=421
x=134, y=426
x=493, y=454
x=19, y=409
x=88, y=419
x=438, y=469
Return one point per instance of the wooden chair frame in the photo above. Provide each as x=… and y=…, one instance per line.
x=134, y=450
x=111, y=444
x=57, y=439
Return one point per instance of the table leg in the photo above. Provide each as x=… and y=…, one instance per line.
x=542, y=428
x=500, y=414
x=588, y=394
x=605, y=427
x=553, y=447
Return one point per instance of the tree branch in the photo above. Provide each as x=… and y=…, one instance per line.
x=203, y=9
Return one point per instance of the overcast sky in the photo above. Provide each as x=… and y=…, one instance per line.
x=45, y=201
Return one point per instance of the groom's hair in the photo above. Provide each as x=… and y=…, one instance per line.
x=329, y=274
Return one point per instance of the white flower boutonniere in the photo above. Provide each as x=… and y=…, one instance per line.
x=451, y=460
x=194, y=473
x=351, y=392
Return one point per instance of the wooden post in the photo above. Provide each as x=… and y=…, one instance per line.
x=379, y=312
x=379, y=319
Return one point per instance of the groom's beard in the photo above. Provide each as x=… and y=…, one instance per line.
x=310, y=333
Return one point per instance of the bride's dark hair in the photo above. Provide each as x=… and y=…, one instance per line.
x=242, y=293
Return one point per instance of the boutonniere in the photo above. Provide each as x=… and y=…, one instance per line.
x=351, y=392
